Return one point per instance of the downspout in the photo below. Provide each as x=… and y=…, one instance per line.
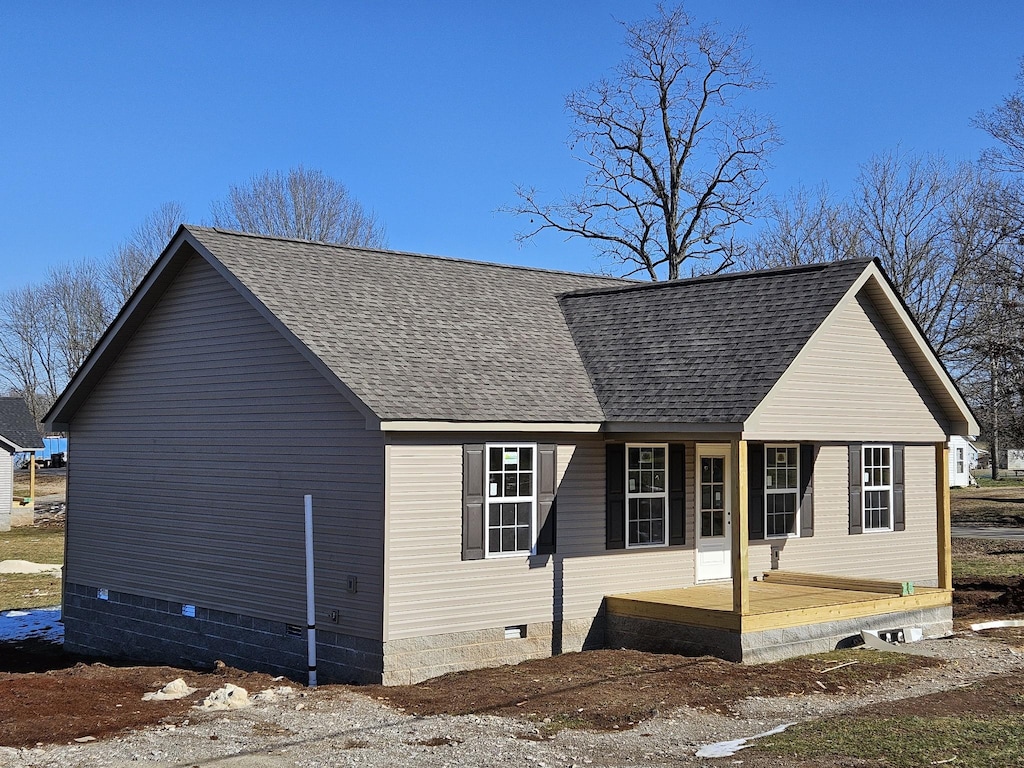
x=310, y=600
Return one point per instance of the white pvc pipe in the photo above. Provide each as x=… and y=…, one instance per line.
x=310, y=601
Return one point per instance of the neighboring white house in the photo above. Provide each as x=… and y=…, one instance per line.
x=963, y=457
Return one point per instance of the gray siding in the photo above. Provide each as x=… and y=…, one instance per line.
x=192, y=456
x=909, y=555
x=852, y=382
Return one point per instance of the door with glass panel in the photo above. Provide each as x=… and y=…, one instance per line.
x=714, y=512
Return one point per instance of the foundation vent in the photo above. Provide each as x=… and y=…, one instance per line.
x=517, y=632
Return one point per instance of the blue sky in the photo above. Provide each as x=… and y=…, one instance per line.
x=430, y=112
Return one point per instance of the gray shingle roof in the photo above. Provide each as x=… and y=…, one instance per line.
x=703, y=350
x=418, y=337
x=17, y=425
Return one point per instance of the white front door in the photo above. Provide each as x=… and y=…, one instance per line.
x=714, y=512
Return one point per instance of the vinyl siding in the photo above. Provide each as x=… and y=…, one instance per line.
x=909, y=555
x=191, y=459
x=852, y=382
x=6, y=483
x=431, y=590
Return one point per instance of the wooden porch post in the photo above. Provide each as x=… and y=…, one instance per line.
x=943, y=527
x=740, y=532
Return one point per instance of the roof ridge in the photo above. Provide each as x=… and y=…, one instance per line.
x=414, y=254
x=723, y=277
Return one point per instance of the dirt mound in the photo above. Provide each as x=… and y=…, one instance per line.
x=1012, y=599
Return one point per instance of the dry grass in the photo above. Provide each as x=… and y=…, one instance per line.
x=1001, y=506
x=37, y=545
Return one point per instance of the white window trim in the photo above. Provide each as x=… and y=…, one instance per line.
x=864, y=488
x=509, y=500
x=767, y=491
x=638, y=495
x=959, y=461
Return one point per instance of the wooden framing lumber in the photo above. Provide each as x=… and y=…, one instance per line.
x=879, y=586
x=943, y=528
x=740, y=531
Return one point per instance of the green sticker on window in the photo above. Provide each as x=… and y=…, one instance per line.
x=511, y=457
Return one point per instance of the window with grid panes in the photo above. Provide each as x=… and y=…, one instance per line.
x=646, y=495
x=511, y=498
x=782, y=490
x=877, y=489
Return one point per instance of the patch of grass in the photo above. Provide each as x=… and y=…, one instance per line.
x=37, y=545
x=29, y=590
x=906, y=742
x=1012, y=481
x=987, y=558
x=987, y=566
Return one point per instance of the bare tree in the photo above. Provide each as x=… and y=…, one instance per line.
x=131, y=259
x=78, y=312
x=804, y=227
x=674, y=163
x=26, y=351
x=303, y=203
x=1005, y=124
x=931, y=224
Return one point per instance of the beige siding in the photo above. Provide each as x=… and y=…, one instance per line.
x=6, y=489
x=432, y=591
x=851, y=383
x=191, y=459
x=909, y=555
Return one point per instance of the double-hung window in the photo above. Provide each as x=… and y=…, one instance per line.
x=646, y=495
x=782, y=490
x=959, y=461
x=877, y=487
x=511, y=498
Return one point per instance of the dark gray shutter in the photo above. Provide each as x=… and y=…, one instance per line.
x=615, y=495
x=856, y=482
x=755, y=491
x=899, y=515
x=808, y=453
x=546, y=463
x=472, y=502
x=676, y=493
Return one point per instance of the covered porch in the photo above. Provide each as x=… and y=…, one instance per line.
x=781, y=614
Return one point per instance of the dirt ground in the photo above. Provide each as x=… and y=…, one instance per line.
x=63, y=704
x=49, y=482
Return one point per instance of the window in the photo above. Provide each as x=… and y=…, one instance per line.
x=782, y=490
x=959, y=461
x=511, y=499
x=877, y=487
x=646, y=495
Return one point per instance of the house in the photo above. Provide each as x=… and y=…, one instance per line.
x=18, y=434
x=963, y=457
x=504, y=462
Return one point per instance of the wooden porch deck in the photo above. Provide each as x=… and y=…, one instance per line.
x=772, y=605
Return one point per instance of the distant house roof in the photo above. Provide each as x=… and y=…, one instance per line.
x=702, y=350
x=411, y=338
x=17, y=427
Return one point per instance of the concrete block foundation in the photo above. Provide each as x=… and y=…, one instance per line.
x=768, y=645
x=140, y=628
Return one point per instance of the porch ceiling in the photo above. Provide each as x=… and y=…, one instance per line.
x=772, y=605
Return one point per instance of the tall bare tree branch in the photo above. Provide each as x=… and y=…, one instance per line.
x=674, y=162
